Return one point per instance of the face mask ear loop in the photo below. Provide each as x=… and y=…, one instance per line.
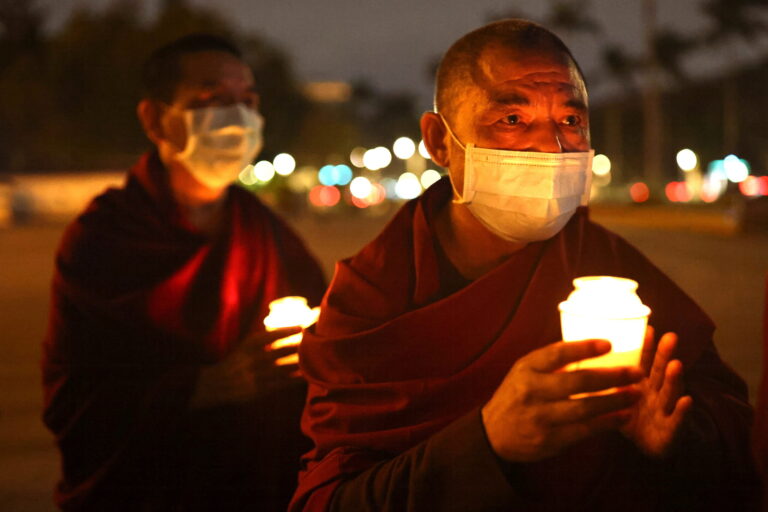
x=588, y=185
x=467, y=164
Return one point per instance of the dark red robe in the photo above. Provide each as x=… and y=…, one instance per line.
x=761, y=417
x=403, y=356
x=140, y=302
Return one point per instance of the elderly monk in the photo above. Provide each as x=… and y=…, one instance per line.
x=159, y=385
x=436, y=376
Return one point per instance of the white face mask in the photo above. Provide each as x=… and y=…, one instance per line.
x=523, y=196
x=221, y=141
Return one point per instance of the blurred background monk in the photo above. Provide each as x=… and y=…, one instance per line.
x=158, y=386
x=435, y=370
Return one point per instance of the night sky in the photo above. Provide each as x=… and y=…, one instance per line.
x=391, y=43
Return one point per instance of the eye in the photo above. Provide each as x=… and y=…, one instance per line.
x=572, y=120
x=512, y=119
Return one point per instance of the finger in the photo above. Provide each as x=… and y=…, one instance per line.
x=663, y=354
x=289, y=360
x=649, y=349
x=585, y=409
x=557, y=355
x=561, y=385
x=288, y=341
x=270, y=356
x=683, y=405
x=262, y=339
x=672, y=389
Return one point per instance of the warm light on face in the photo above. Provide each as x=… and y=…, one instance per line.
x=603, y=307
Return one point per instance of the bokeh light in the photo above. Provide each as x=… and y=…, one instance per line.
x=377, y=158
x=303, y=179
x=342, y=174
x=736, y=169
x=408, y=186
x=284, y=164
x=750, y=187
x=429, y=178
x=404, y=148
x=324, y=196
x=356, y=157
x=601, y=165
x=264, y=171
x=639, y=192
x=360, y=187
x=686, y=160
x=677, y=192
x=246, y=176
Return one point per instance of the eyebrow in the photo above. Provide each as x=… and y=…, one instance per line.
x=512, y=98
x=576, y=104
x=515, y=98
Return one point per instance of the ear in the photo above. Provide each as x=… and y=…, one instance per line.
x=434, y=133
x=149, y=113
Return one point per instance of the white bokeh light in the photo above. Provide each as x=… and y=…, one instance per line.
x=246, y=175
x=284, y=164
x=264, y=171
x=429, y=177
x=686, y=160
x=735, y=168
x=601, y=165
x=356, y=157
x=360, y=187
x=404, y=148
x=408, y=186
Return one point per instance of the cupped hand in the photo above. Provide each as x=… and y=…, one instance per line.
x=533, y=414
x=253, y=369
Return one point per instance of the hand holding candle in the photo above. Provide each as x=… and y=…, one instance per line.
x=289, y=312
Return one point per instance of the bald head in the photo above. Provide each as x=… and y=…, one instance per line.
x=461, y=64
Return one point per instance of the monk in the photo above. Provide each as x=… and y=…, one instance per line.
x=160, y=387
x=760, y=430
x=436, y=376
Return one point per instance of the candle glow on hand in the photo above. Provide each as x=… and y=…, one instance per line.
x=604, y=307
x=289, y=312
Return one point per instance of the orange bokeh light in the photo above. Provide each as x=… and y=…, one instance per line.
x=322, y=195
x=639, y=192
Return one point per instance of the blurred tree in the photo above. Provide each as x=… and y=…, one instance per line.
x=735, y=26
x=68, y=100
x=22, y=57
x=384, y=116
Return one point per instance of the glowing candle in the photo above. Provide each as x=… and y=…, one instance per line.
x=603, y=307
x=289, y=312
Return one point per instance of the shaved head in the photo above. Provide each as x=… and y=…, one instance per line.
x=460, y=66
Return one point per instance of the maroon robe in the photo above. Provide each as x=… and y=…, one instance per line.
x=403, y=356
x=761, y=416
x=140, y=302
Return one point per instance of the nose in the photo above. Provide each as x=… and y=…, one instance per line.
x=544, y=137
